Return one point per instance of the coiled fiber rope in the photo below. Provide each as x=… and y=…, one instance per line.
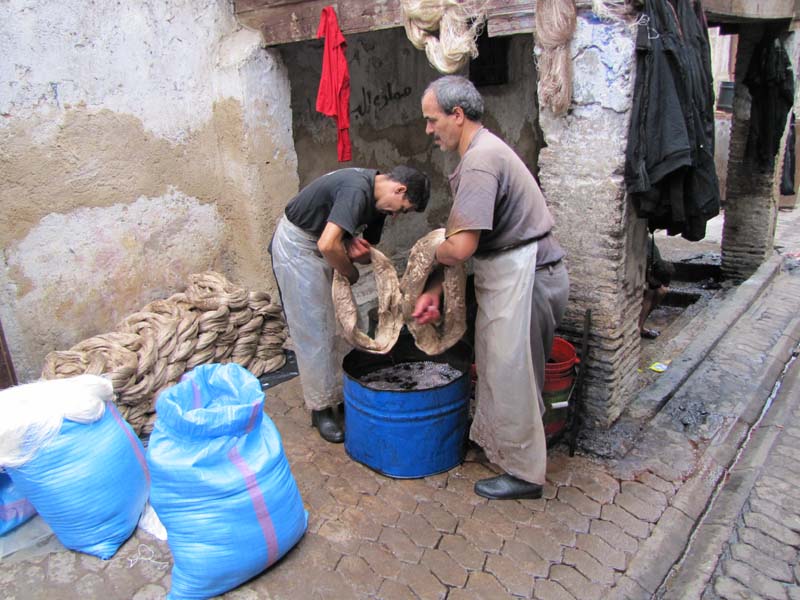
x=459, y=23
x=458, y=27
x=396, y=300
x=212, y=321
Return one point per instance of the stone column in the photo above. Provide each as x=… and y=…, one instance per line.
x=581, y=171
x=750, y=206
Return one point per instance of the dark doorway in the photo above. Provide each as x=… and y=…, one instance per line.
x=7, y=376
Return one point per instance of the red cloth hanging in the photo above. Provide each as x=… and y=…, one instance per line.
x=333, y=97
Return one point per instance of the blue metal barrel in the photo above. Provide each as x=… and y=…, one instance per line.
x=406, y=434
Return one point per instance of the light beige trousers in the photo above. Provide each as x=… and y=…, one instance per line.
x=514, y=330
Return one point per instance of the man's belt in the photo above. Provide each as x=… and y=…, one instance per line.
x=506, y=248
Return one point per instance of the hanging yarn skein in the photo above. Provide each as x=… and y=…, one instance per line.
x=610, y=10
x=554, y=22
x=457, y=24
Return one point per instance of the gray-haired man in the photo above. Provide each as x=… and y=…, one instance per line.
x=500, y=218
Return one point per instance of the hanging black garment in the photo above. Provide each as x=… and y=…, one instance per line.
x=669, y=169
x=770, y=81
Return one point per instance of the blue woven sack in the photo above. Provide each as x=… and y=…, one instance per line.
x=221, y=484
x=89, y=483
x=14, y=507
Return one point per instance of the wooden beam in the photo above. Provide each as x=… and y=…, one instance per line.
x=509, y=23
x=283, y=21
x=749, y=9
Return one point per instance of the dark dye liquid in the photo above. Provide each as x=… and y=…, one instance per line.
x=421, y=375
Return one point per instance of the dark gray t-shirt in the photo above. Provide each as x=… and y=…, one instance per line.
x=344, y=197
x=495, y=193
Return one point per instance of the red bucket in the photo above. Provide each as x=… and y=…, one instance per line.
x=559, y=373
x=559, y=369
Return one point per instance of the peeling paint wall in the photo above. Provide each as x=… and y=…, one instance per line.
x=141, y=143
x=388, y=76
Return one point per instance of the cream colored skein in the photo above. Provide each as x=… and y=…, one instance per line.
x=455, y=44
x=612, y=9
x=555, y=22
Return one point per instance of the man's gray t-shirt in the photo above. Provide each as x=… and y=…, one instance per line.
x=495, y=193
x=344, y=197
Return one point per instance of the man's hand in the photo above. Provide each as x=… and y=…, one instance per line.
x=331, y=245
x=358, y=250
x=427, y=308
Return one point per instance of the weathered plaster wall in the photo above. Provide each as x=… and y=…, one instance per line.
x=581, y=173
x=388, y=76
x=141, y=142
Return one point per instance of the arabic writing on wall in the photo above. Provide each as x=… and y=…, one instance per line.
x=366, y=104
x=374, y=102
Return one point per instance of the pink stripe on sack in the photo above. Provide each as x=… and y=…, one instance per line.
x=137, y=448
x=197, y=399
x=259, y=503
x=21, y=509
x=253, y=416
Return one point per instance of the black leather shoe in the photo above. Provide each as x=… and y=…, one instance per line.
x=329, y=429
x=507, y=487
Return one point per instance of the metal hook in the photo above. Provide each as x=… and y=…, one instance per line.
x=644, y=20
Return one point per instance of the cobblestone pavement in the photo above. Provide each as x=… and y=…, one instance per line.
x=746, y=545
x=761, y=557
x=604, y=528
x=372, y=536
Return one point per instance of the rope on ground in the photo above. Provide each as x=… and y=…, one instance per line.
x=214, y=320
x=457, y=23
x=145, y=553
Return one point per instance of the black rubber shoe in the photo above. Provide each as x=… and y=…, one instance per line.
x=329, y=429
x=507, y=487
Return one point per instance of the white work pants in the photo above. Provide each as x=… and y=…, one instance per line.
x=305, y=277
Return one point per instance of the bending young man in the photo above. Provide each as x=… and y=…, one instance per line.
x=500, y=218
x=320, y=232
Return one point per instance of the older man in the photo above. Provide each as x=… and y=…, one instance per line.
x=320, y=231
x=499, y=217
